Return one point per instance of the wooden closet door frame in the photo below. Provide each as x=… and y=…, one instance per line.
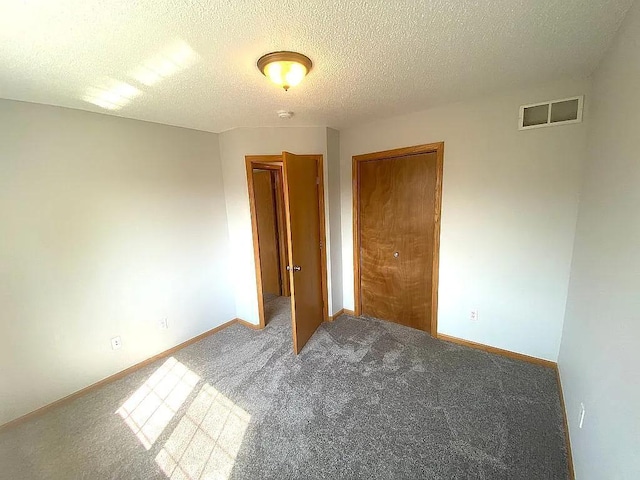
x=438, y=149
x=274, y=162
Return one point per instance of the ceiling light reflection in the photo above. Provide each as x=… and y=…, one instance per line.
x=173, y=59
x=112, y=96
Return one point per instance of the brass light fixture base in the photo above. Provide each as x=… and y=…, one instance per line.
x=288, y=60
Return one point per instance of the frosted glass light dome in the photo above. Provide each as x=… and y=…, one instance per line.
x=286, y=69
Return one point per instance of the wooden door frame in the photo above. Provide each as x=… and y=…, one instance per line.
x=438, y=149
x=274, y=162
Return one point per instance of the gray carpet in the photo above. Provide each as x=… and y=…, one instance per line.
x=364, y=399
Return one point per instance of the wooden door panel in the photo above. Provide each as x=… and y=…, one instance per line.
x=397, y=214
x=266, y=216
x=303, y=220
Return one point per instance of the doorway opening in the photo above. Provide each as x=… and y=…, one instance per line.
x=272, y=248
x=286, y=197
x=397, y=197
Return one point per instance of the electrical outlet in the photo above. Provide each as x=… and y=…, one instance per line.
x=473, y=315
x=582, y=412
x=164, y=323
x=116, y=343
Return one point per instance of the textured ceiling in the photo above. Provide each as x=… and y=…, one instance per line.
x=192, y=62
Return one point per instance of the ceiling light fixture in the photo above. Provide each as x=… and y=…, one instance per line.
x=286, y=69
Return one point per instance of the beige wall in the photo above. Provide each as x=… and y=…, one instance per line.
x=334, y=204
x=600, y=354
x=108, y=226
x=234, y=145
x=508, y=215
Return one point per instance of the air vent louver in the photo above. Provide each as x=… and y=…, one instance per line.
x=552, y=113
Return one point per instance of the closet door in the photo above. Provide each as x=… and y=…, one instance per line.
x=266, y=216
x=396, y=221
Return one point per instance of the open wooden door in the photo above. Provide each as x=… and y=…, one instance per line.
x=303, y=204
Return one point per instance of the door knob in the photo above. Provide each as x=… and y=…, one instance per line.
x=295, y=268
x=396, y=254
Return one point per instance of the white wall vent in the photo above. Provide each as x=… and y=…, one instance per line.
x=549, y=114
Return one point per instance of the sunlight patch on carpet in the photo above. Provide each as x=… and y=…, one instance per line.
x=206, y=441
x=150, y=409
